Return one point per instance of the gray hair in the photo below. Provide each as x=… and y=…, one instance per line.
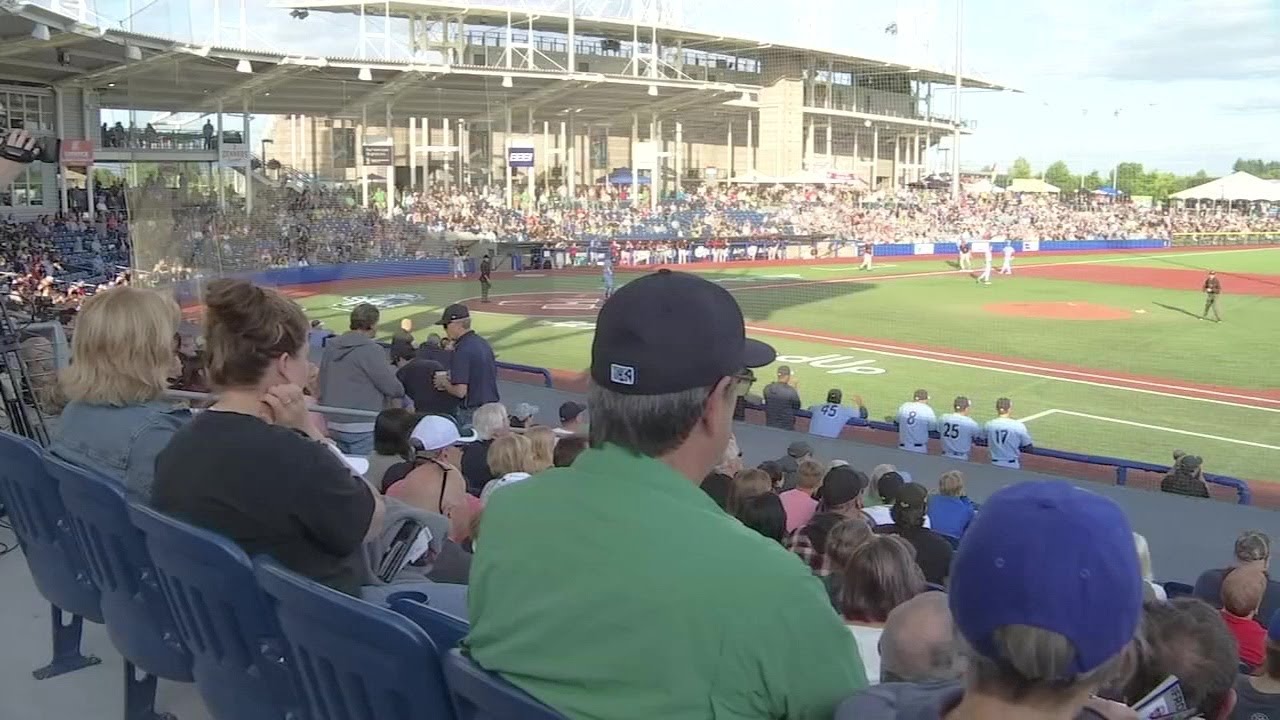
x=489, y=420
x=650, y=425
x=919, y=642
x=1033, y=666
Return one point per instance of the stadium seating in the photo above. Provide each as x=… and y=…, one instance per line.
x=133, y=605
x=353, y=660
x=445, y=630
x=238, y=651
x=481, y=695
x=59, y=569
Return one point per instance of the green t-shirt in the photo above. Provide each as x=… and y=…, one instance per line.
x=618, y=589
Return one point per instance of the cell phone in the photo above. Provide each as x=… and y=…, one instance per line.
x=16, y=123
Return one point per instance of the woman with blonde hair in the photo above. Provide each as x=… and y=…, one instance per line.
x=1144, y=562
x=747, y=484
x=543, y=439
x=489, y=423
x=951, y=511
x=122, y=356
x=511, y=460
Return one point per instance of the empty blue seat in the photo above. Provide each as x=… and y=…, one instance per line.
x=238, y=654
x=354, y=660
x=60, y=572
x=445, y=630
x=481, y=695
x=138, y=619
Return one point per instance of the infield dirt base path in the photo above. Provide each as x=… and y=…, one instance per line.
x=1060, y=310
x=1163, y=278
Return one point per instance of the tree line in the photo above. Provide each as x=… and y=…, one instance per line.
x=1131, y=178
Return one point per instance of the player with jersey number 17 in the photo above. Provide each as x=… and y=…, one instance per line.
x=1006, y=437
x=915, y=420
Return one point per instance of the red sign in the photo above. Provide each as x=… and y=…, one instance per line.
x=77, y=152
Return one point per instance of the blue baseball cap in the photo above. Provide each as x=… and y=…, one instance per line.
x=1052, y=556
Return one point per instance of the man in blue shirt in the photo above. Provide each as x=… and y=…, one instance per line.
x=473, y=372
x=830, y=418
x=957, y=430
x=1006, y=437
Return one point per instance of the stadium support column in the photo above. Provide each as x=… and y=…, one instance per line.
x=656, y=178
x=679, y=156
x=248, y=156
x=875, y=156
x=635, y=140
x=572, y=148
x=222, y=191
x=955, y=111
x=448, y=155
x=544, y=159
x=751, y=144
x=413, y=153
x=391, y=168
x=506, y=145
x=728, y=143
x=532, y=169
x=60, y=112
x=364, y=171
x=315, y=151
x=88, y=104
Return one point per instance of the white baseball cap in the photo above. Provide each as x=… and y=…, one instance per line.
x=437, y=432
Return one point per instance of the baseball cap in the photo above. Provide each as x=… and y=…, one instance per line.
x=436, y=432
x=784, y=369
x=1052, y=556
x=961, y=403
x=840, y=485
x=1252, y=546
x=912, y=496
x=799, y=449
x=889, y=484
x=921, y=394
x=456, y=311
x=571, y=410
x=671, y=331
x=834, y=395
x=1190, y=463
x=1003, y=404
x=524, y=411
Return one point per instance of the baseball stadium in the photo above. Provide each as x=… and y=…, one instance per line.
x=433, y=197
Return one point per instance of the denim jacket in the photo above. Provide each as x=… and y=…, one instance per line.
x=121, y=442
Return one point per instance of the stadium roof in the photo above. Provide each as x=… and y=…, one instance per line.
x=1236, y=186
x=622, y=30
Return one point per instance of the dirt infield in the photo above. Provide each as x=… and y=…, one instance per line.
x=1163, y=278
x=541, y=304
x=1063, y=310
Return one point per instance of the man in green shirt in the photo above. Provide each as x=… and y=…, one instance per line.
x=616, y=588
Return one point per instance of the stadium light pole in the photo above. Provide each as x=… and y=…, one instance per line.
x=955, y=111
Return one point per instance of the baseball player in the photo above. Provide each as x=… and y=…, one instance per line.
x=985, y=276
x=607, y=270
x=1212, y=289
x=1007, y=267
x=486, y=267
x=915, y=420
x=460, y=262
x=868, y=251
x=957, y=430
x=829, y=419
x=1006, y=437
x=966, y=253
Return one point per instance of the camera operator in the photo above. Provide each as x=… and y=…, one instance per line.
x=19, y=142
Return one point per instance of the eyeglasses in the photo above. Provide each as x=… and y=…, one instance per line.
x=742, y=381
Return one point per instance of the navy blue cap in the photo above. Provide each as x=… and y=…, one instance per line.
x=1052, y=556
x=671, y=331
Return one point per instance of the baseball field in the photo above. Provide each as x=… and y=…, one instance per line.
x=1101, y=353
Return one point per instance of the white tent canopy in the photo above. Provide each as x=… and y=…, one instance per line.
x=1031, y=185
x=1236, y=186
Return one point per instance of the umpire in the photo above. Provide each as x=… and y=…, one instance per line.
x=1212, y=289
x=486, y=267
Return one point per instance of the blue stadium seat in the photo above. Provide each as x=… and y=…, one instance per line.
x=237, y=648
x=60, y=572
x=445, y=630
x=481, y=695
x=354, y=660
x=138, y=619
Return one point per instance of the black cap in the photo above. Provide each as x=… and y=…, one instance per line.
x=920, y=394
x=841, y=485
x=799, y=449
x=457, y=311
x=888, y=486
x=671, y=331
x=912, y=496
x=571, y=410
x=834, y=395
x=961, y=403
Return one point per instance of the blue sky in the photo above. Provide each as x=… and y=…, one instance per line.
x=1176, y=84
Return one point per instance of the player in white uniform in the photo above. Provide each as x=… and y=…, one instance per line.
x=957, y=430
x=607, y=270
x=1007, y=267
x=965, y=247
x=915, y=420
x=985, y=277
x=459, y=263
x=1006, y=437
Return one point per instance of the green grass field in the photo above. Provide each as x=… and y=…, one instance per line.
x=1152, y=379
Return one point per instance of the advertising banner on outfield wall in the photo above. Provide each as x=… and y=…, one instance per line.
x=1030, y=245
x=922, y=249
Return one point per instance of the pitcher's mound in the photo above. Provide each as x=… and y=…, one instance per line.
x=1065, y=310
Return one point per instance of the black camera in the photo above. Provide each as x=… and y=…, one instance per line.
x=45, y=149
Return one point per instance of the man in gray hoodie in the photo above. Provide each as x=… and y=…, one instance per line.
x=356, y=373
x=1046, y=594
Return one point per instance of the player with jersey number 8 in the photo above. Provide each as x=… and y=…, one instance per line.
x=915, y=420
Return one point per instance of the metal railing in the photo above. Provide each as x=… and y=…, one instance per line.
x=529, y=369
